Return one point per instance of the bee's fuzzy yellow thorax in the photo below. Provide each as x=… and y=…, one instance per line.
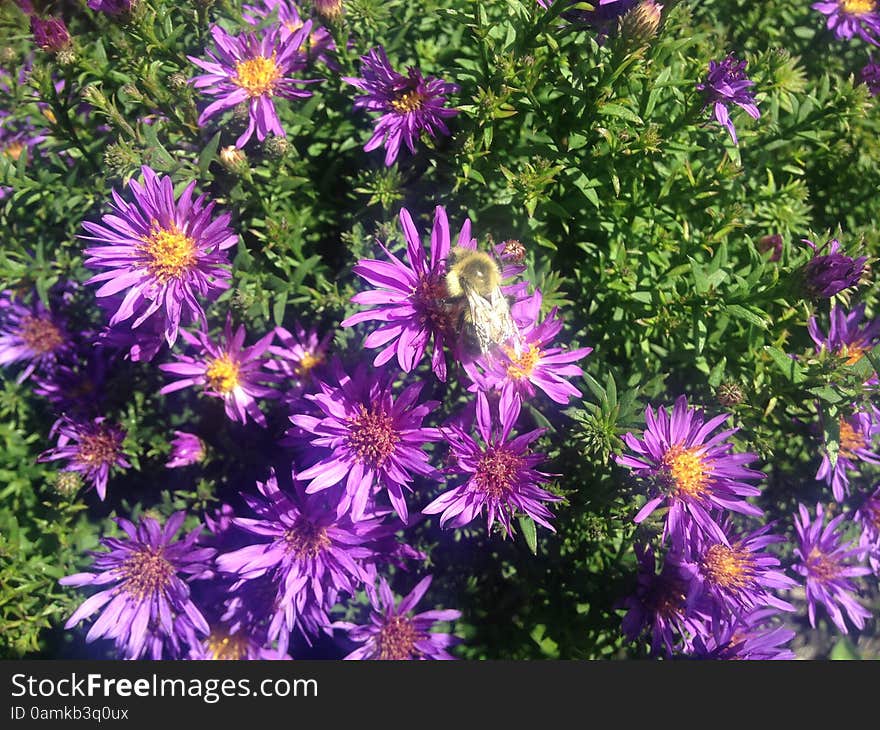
x=469, y=270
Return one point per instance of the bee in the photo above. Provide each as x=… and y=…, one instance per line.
x=473, y=279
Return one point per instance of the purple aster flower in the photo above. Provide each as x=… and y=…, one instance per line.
x=186, y=449
x=409, y=104
x=848, y=337
x=692, y=472
x=753, y=636
x=828, y=564
x=409, y=299
x=307, y=552
x=147, y=608
x=736, y=576
x=396, y=633
x=827, y=274
x=251, y=69
x=31, y=334
x=771, y=244
x=91, y=447
x=223, y=644
x=868, y=517
x=726, y=84
x=50, y=34
x=660, y=605
x=855, y=444
x=375, y=442
x=320, y=43
x=162, y=252
x=112, y=7
x=75, y=387
x=142, y=344
x=226, y=370
x=516, y=369
x=848, y=18
x=301, y=354
x=870, y=76
x=500, y=472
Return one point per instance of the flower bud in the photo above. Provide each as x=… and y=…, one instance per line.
x=50, y=34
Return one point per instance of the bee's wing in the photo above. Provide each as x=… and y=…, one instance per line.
x=491, y=319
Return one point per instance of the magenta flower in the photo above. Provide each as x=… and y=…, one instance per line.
x=252, y=69
x=870, y=76
x=301, y=353
x=396, y=633
x=500, y=473
x=112, y=7
x=856, y=442
x=868, y=517
x=308, y=553
x=50, y=34
x=144, y=599
x=827, y=274
x=31, y=334
x=374, y=441
x=409, y=104
x=226, y=370
x=848, y=337
x=91, y=447
x=848, y=18
x=726, y=84
x=517, y=369
x=186, y=449
x=754, y=636
x=319, y=45
x=828, y=564
x=224, y=644
x=695, y=474
x=409, y=297
x=163, y=253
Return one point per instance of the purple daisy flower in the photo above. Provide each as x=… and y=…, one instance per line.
x=226, y=370
x=848, y=337
x=409, y=104
x=828, y=563
x=147, y=610
x=31, y=334
x=141, y=344
x=848, y=18
x=660, y=605
x=375, y=441
x=91, y=447
x=501, y=477
x=753, y=636
x=75, y=387
x=870, y=76
x=311, y=556
x=693, y=473
x=737, y=576
x=186, y=449
x=726, y=84
x=517, y=369
x=409, y=298
x=320, y=43
x=50, y=34
x=301, y=354
x=855, y=444
x=396, y=633
x=112, y=7
x=223, y=644
x=827, y=274
x=252, y=69
x=162, y=252
x=868, y=516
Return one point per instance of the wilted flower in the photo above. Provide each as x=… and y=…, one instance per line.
x=161, y=252
x=395, y=632
x=252, y=69
x=375, y=441
x=693, y=472
x=226, y=370
x=409, y=104
x=726, y=84
x=91, y=447
x=825, y=275
x=500, y=474
x=848, y=18
x=855, y=443
x=186, y=449
x=145, y=596
x=828, y=564
x=50, y=34
x=330, y=9
x=30, y=334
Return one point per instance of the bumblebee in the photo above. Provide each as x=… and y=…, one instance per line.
x=473, y=280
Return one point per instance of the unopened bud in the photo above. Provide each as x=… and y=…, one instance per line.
x=67, y=483
x=276, y=147
x=330, y=9
x=729, y=394
x=177, y=81
x=639, y=25
x=233, y=159
x=50, y=34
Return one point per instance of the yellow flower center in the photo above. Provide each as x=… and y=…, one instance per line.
x=522, y=366
x=307, y=363
x=224, y=646
x=408, y=101
x=292, y=25
x=13, y=150
x=257, y=75
x=40, y=334
x=496, y=472
x=306, y=539
x=727, y=567
x=821, y=567
x=850, y=439
x=397, y=639
x=687, y=470
x=146, y=572
x=857, y=7
x=853, y=352
x=98, y=448
x=373, y=436
x=222, y=374
x=172, y=253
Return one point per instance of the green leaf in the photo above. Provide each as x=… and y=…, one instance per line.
x=527, y=525
x=209, y=153
x=790, y=368
x=752, y=317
